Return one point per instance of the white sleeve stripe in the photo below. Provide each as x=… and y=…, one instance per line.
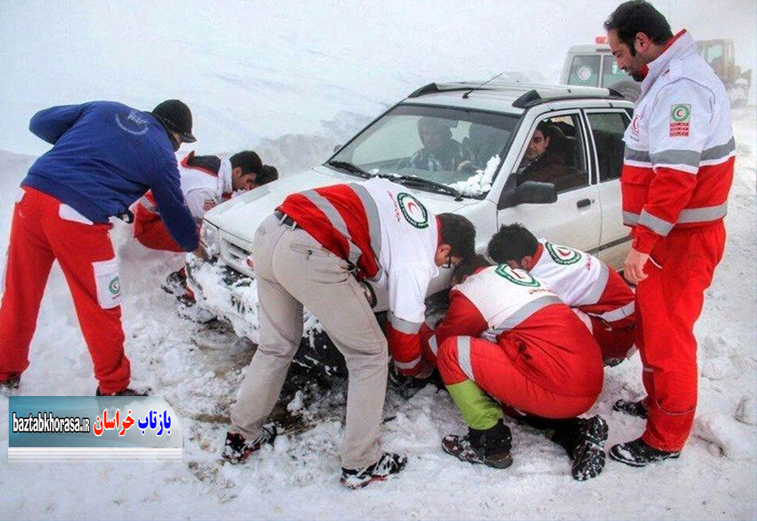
x=599, y=285
x=404, y=326
x=407, y=365
x=433, y=345
x=620, y=313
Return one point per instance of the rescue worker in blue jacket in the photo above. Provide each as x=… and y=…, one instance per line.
x=105, y=156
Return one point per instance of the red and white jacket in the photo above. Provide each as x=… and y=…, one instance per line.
x=585, y=283
x=205, y=182
x=390, y=238
x=679, y=155
x=551, y=342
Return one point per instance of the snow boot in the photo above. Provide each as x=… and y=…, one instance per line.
x=126, y=392
x=637, y=453
x=388, y=465
x=631, y=408
x=489, y=447
x=10, y=386
x=237, y=449
x=589, y=454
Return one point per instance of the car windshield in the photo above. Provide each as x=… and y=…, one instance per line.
x=428, y=146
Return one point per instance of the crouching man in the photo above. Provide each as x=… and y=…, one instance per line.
x=312, y=252
x=507, y=337
x=206, y=181
x=596, y=292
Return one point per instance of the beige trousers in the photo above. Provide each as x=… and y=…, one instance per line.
x=292, y=269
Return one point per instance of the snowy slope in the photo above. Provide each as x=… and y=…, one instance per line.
x=292, y=82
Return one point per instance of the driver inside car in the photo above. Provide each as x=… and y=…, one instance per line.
x=440, y=151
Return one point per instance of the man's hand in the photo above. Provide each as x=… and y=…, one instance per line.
x=199, y=252
x=633, y=269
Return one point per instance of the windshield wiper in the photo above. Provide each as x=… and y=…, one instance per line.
x=420, y=181
x=350, y=167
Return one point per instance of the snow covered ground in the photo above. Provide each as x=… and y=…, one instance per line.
x=292, y=83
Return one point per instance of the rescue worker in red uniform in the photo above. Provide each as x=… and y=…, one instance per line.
x=596, y=292
x=509, y=337
x=105, y=156
x=206, y=181
x=312, y=252
x=677, y=172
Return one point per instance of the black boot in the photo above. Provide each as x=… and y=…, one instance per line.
x=125, y=392
x=10, y=386
x=237, y=449
x=490, y=447
x=638, y=454
x=388, y=465
x=589, y=455
x=631, y=408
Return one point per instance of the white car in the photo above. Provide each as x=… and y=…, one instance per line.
x=487, y=129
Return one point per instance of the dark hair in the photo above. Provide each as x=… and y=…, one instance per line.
x=468, y=267
x=267, y=174
x=459, y=233
x=248, y=161
x=638, y=16
x=512, y=242
x=545, y=128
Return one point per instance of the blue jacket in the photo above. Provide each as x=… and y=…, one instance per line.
x=105, y=156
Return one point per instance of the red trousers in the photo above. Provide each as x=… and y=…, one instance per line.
x=152, y=233
x=615, y=342
x=42, y=231
x=498, y=375
x=668, y=303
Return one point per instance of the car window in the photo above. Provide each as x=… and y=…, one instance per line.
x=611, y=73
x=584, y=70
x=607, y=129
x=455, y=147
x=555, y=154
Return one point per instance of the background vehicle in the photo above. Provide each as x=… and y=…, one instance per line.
x=493, y=124
x=595, y=66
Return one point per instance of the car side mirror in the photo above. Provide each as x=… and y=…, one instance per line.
x=337, y=147
x=530, y=192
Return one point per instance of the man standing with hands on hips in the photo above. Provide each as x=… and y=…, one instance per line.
x=677, y=173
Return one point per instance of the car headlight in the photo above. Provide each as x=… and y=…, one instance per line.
x=211, y=239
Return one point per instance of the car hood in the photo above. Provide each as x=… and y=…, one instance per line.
x=240, y=216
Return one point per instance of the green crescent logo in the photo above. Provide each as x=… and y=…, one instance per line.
x=562, y=254
x=115, y=286
x=520, y=277
x=680, y=112
x=413, y=211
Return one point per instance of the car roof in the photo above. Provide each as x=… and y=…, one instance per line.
x=589, y=49
x=507, y=97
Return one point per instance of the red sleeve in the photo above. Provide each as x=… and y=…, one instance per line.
x=405, y=349
x=462, y=319
x=616, y=306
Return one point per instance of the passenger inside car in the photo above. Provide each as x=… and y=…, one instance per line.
x=440, y=151
x=542, y=162
x=553, y=157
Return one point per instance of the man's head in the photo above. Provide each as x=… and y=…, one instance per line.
x=513, y=245
x=433, y=132
x=468, y=267
x=637, y=34
x=457, y=239
x=245, y=168
x=176, y=119
x=539, y=141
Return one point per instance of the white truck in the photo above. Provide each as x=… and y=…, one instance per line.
x=595, y=66
x=493, y=123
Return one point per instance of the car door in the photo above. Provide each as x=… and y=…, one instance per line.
x=575, y=218
x=606, y=128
